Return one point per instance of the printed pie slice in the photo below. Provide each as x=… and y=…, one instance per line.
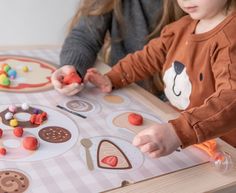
x=110, y=156
x=111, y=160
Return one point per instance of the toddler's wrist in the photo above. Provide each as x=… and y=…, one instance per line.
x=108, y=82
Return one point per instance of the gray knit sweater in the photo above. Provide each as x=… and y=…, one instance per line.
x=86, y=39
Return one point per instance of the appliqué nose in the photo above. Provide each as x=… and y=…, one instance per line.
x=178, y=66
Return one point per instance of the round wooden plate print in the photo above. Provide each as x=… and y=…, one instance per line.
x=25, y=74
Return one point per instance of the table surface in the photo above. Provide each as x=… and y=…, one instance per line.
x=201, y=178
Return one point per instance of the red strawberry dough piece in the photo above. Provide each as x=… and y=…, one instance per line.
x=110, y=160
x=135, y=119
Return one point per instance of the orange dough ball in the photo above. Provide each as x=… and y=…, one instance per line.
x=30, y=143
x=135, y=119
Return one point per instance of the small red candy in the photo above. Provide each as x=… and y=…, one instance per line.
x=1, y=132
x=18, y=131
x=73, y=77
x=3, y=151
x=135, y=119
x=30, y=143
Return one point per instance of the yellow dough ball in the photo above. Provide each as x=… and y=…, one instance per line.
x=13, y=122
x=25, y=69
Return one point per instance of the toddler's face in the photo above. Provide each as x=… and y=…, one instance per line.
x=203, y=9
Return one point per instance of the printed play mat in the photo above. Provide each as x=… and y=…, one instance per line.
x=24, y=74
x=52, y=143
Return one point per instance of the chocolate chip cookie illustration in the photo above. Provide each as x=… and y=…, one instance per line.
x=54, y=134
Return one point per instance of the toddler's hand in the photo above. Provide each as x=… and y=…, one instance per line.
x=57, y=81
x=99, y=80
x=158, y=140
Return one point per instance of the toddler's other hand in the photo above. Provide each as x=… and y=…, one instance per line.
x=158, y=140
x=57, y=81
x=99, y=80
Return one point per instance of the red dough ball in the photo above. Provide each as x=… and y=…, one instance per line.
x=1, y=132
x=30, y=143
x=3, y=151
x=18, y=131
x=135, y=119
x=72, y=77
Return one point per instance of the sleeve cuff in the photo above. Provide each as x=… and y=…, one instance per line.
x=117, y=81
x=184, y=131
x=79, y=61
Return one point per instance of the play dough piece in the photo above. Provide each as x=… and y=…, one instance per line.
x=110, y=156
x=13, y=122
x=3, y=151
x=25, y=106
x=2, y=72
x=30, y=143
x=12, y=108
x=18, y=131
x=135, y=119
x=1, y=132
x=6, y=67
x=4, y=80
x=36, y=111
x=73, y=77
x=12, y=73
x=25, y=69
x=8, y=116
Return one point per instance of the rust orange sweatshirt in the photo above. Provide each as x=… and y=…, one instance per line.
x=199, y=72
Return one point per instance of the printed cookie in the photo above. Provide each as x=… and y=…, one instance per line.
x=79, y=105
x=113, y=99
x=13, y=181
x=54, y=134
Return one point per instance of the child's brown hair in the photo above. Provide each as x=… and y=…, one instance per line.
x=230, y=4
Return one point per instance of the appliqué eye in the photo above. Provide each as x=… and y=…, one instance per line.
x=201, y=76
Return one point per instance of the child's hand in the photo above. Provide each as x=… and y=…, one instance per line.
x=57, y=81
x=158, y=140
x=99, y=80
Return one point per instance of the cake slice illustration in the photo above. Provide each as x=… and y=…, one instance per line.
x=110, y=156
